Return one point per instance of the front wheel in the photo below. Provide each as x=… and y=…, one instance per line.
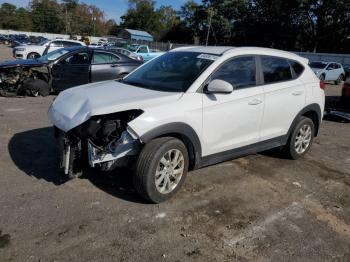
x=161, y=169
x=301, y=138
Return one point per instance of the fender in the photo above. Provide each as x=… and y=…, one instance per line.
x=177, y=128
x=313, y=108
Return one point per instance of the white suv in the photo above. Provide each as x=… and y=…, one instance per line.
x=47, y=46
x=190, y=108
x=328, y=71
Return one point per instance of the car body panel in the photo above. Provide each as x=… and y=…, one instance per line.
x=74, y=106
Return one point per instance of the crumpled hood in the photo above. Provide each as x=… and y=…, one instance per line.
x=21, y=62
x=76, y=105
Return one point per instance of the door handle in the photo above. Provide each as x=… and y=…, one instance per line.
x=297, y=93
x=255, y=102
x=115, y=65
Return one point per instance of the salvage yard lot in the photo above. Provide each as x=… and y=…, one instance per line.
x=259, y=208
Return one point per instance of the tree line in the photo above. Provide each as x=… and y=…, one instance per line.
x=299, y=25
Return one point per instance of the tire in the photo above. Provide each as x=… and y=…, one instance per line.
x=121, y=76
x=322, y=77
x=36, y=87
x=295, y=150
x=340, y=79
x=150, y=165
x=33, y=55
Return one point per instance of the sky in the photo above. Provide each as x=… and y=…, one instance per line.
x=113, y=9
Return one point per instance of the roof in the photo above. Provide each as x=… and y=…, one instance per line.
x=139, y=33
x=220, y=50
x=217, y=50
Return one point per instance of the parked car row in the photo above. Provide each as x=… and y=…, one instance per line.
x=20, y=39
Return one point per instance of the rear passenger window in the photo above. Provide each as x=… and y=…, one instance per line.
x=297, y=68
x=275, y=69
x=104, y=58
x=239, y=72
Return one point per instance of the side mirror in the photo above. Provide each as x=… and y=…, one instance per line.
x=218, y=86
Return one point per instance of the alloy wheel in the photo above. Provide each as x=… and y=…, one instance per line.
x=169, y=171
x=303, y=139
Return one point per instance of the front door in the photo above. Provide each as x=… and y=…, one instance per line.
x=72, y=70
x=231, y=121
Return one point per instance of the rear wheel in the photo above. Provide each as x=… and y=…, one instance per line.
x=161, y=169
x=301, y=138
x=122, y=75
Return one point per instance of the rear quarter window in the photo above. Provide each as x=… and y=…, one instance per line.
x=275, y=69
x=297, y=68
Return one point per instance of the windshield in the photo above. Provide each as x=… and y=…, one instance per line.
x=54, y=55
x=43, y=42
x=318, y=65
x=133, y=47
x=171, y=72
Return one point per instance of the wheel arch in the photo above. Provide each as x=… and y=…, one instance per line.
x=312, y=111
x=183, y=132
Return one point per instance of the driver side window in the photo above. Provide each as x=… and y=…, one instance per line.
x=142, y=49
x=81, y=58
x=239, y=72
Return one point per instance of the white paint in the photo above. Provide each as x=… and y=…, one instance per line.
x=161, y=215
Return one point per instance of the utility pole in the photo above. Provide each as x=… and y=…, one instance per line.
x=210, y=18
x=94, y=22
x=66, y=19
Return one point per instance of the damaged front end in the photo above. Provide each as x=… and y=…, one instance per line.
x=12, y=78
x=104, y=142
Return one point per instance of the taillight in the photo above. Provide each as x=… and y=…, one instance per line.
x=322, y=85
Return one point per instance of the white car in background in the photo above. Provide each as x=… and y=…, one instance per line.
x=189, y=108
x=47, y=46
x=328, y=71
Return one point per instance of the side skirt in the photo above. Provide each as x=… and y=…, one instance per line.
x=243, y=151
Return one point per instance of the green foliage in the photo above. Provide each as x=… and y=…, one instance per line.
x=53, y=16
x=143, y=15
x=14, y=18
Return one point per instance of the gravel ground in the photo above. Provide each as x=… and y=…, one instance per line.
x=257, y=208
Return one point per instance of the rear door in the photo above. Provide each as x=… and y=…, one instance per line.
x=71, y=70
x=104, y=66
x=284, y=95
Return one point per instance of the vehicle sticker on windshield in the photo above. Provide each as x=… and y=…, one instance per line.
x=208, y=57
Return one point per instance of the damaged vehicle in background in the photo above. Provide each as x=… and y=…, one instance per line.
x=62, y=69
x=189, y=108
